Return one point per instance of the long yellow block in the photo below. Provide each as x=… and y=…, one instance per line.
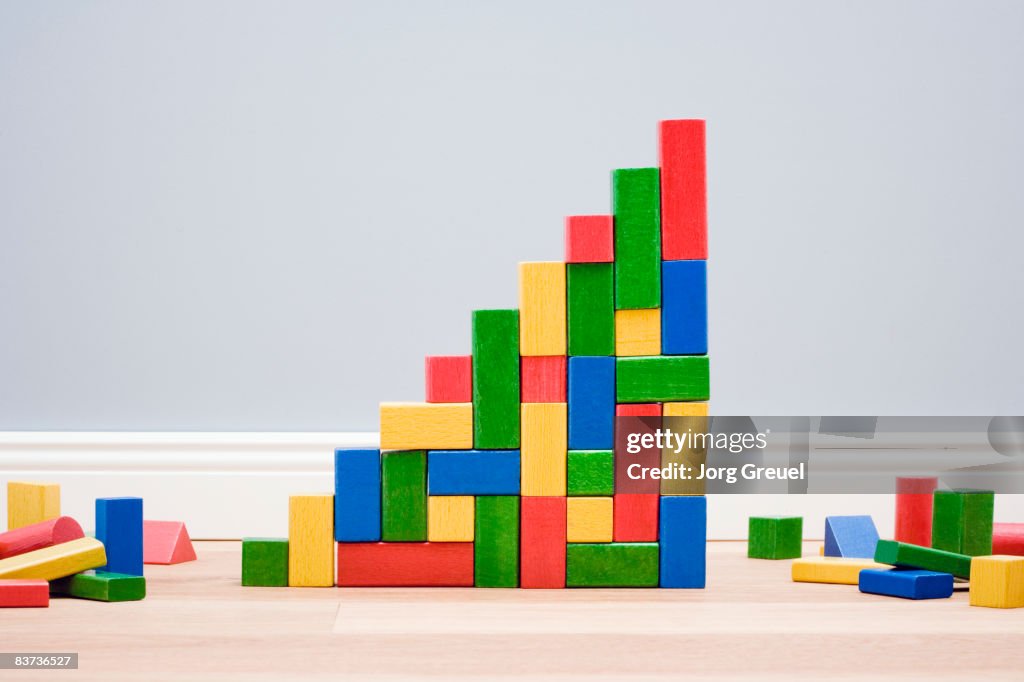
x=450, y=518
x=687, y=417
x=827, y=569
x=426, y=426
x=638, y=332
x=56, y=561
x=997, y=581
x=589, y=519
x=543, y=449
x=311, y=541
x=542, y=308
x=29, y=503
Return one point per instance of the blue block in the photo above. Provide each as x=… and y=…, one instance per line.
x=356, y=495
x=684, y=307
x=591, y=403
x=850, y=536
x=682, y=534
x=473, y=472
x=119, y=528
x=907, y=584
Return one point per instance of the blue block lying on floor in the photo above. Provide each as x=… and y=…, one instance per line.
x=853, y=537
x=909, y=584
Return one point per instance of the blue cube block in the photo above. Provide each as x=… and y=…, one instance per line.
x=684, y=307
x=682, y=534
x=356, y=495
x=473, y=472
x=591, y=396
x=909, y=584
x=850, y=536
x=119, y=528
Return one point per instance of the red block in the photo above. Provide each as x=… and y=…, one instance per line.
x=166, y=542
x=405, y=564
x=636, y=518
x=914, y=509
x=543, y=379
x=628, y=421
x=19, y=593
x=589, y=239
x=449, y=378
x=684, y=212
x=39, y=535
x=1007, y=538
x=542, y=542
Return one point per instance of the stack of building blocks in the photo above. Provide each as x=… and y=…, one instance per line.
x=850, y=536
x=997, y=582
x=962, y=521
x=166, y=543
x=909, y=584
x=775, y=537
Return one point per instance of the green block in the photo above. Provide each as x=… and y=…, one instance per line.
x=611, y=564
x=591, y=314
x=265, y=562
x=495, y=379
x=636, y=200
x=662, y=378
x=590, y=473
x=496, y=545
x=101, y=586
x=962, y=521
x=926, y=558
x=403, y=496
x=775, y=537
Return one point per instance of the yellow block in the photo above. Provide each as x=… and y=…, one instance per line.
x=827, y=569
x=997, y=581
x=821, y=552
x=426, y=426
x=589, y=519
x=450, y=518
x=543, y=449
x=29, y=503
x=638, y=332
x=684, y=409
x=55, y=562
x=311, y=541
x=690, y=417
x=542, y=308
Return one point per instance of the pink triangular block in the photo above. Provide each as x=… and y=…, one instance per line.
x=166, y=542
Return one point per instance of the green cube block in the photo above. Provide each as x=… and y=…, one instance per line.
x=636, y=201
x=496, y=545
x=906, y=555
x=591, y=308
x=101, y=586
x=590, y=473
x=265, y=562
x=775, y=537
x=662, y=378
x=962, y=521
x=403, y=496
x=496, y=379
x=611, y=564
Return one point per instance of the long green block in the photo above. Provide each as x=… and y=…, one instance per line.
x=591, y=313
x=403, y=496
x=265, y=562
x=636, y=203
x=662, y=378
x=590, y=473
x=775, y=537
x=962, y=521
x=496, y=545
x=927, y=558
x=611, y=564
x=101, y=586
x=496, y=379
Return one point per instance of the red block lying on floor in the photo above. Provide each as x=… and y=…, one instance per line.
x=19, y=593
x=405, y=564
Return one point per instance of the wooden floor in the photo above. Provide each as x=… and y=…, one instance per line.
x=198, y=624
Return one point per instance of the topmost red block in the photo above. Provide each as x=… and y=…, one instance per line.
x=684, y=212
x=589, y=239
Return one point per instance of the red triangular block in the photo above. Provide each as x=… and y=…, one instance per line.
x=166, y=542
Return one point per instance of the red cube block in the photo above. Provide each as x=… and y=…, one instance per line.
x=543, y=379
x=449, y=378
x=589, y=239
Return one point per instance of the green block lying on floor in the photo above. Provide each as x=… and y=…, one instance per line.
x=775, y=537
x=662, y=378
x=590, y=472
x=926, y=558
x=264, y=562
x=611, y=564
x=101, y=586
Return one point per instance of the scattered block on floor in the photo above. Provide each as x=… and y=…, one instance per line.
x=683, y=418
x=775, y=537
x=925, y=558
x=854, y=537
x=496, y=542
x=543, y=378
x=404, y=496
x=634, y=458
x=589, y=239
x=449, y=378
x=119, y=528
x=166, y=543
x=997, y=581
x=636, y=517
x=55, y=562
x=591, y=403
x=591, y=473
x=590, y=294
x=426, y=426
x=473, y=472
x=684, y=308
x=357, y=495
x=962, y=521
x=914, y=509
x=29, y=503
x=611, y=564
x=589, y=519
x=1007, y=538
x=636, y=206
x=683, y=190
x=405, y=564
x=830, y=569
x=495, y=379
x=450, y=518
x=909, y=584
x=638, y=332
x=542, y=320
x=265, y=562
x=542, y=542
x=544, y=447
x=101, y=586
x=24, y=593
x=39, y=535
x=682, y=535
x=311, y=540
x=662, y=379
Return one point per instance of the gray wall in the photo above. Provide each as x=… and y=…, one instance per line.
x=261, y=215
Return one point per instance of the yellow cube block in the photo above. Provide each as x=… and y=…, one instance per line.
x=450, y=518
x=589, y=519
x=684, y=409
x=426, y=426
x=638, y=332
x=30, y=502
x=542, y=309
x=311, y=541
x=997, y=581
x=827, y=569
x=543, y=448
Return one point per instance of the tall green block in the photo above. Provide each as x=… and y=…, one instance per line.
x=496, y=545
x=496, y=379
x=636, y=203
x=591, y=313
x=403, y=496
x=662, y=378
x=775, y=537
x=101, y=586
x=962, y=521
x=611, y=564
x=265, y=562
x=590, y=473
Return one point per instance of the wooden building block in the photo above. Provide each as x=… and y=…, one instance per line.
x=404, y=496
x=638, y=332
x=449, y=378
x=542, y=542
x=119, y=528
x=166, y=543
x=24, y=593
x=405, y=564
x=543, y=378
x=265, y=562
x=962, y=521
x=496, y=544
x=50, y=563
x=683, y=418
x=997, y=581
x=591, y=302
x=450, y=518
x=39, y=535
x=682, y=534
x=636, y=518
x=684, y=308
x=636, y=205
x=542, y=309
x=29, y=503
x=591, y=473
x=544, y=449
x=914, y=509
x=426, y=426
x=589, y=239
x=495, y=379
x=589, y=519
x=611, y=564
x=101, y=586
x=1007, y=538
x=684, y=224
x=636, y=421
x=925, y=558
x=473, y=472
x=591, y=403
x=684, y=410
x=662, y=379
x=775, y=537
x=830, y=569
x=909, y=584
x=357, y=495
x=853, y=537
x=311, y=540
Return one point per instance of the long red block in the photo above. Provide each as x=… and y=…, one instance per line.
x=646, y=458
x=914, y=509
x=542, y=542
x=635, y=518
x=19, y=593
x=543, y=379
x=684, y=213
x=589, y=239
x=405, y=564
x=449, y=378
x=166, y=542
x=1008, y=538
x=39, y=535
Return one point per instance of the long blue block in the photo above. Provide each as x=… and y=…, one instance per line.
x=684, y=307
x=356, y=495
x=682, y=534
x=907, y=584
x=591, y=403
x=850, y=536
x=119, y=528
x=473, y=472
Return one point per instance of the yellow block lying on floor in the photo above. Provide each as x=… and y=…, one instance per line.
x=828, y=569
x=54, y=562
x=997, y=581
